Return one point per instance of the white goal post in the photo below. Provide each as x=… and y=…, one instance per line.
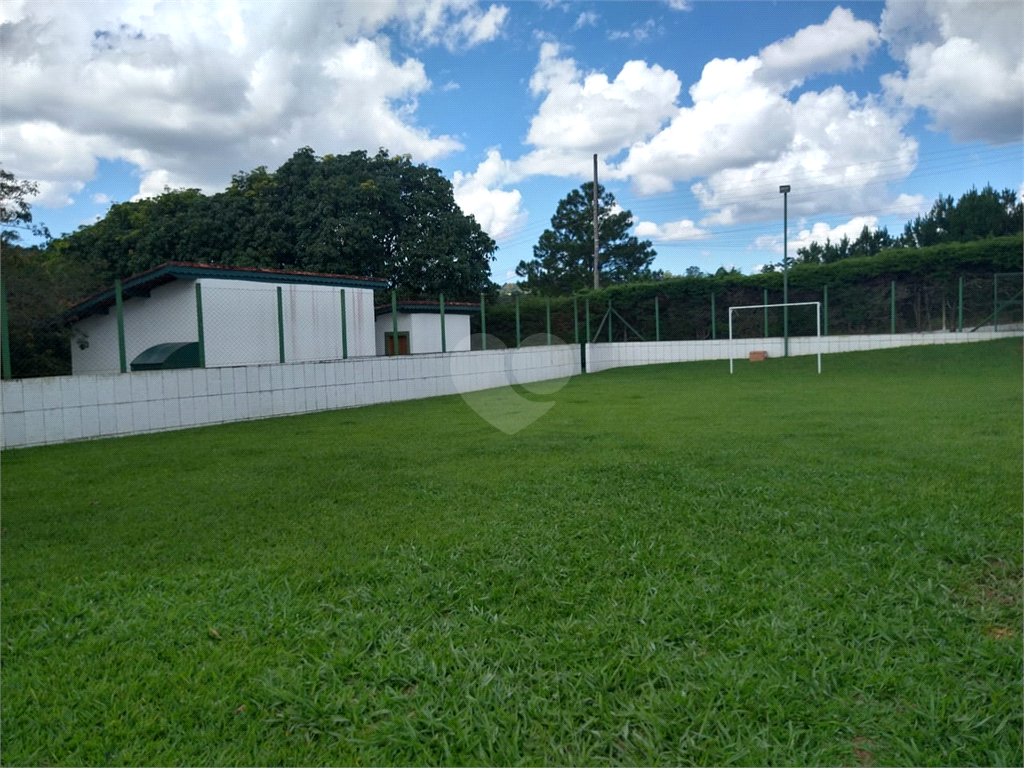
x=817, y=317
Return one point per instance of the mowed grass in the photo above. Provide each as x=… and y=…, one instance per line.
x=672, y=566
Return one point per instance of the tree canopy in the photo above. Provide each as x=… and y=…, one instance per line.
x=563, y=259
x=976, y=215
x=380, y=216
x=15, y=210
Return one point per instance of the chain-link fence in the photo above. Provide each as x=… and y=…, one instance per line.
x=651, y=313
x=221, y=323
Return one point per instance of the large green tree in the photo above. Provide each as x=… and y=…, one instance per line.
x=563, y=258
x=977, y=214
x=381, y=216
x=38, y=285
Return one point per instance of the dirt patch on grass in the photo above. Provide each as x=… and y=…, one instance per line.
x=1000, y=585
x=1000, y=633
x=861, y=751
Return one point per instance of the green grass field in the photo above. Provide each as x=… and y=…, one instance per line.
x=673, y=566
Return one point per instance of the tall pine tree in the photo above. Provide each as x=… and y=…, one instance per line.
x=563, y=258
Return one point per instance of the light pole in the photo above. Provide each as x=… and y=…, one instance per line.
x=784, y=189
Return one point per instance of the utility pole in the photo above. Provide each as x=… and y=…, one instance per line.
x=784, y=189
x=597, y=268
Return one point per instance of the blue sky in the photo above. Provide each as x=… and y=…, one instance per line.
x=698, y=111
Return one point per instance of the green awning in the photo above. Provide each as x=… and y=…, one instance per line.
x=163, y=357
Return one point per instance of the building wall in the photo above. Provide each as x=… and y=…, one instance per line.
x=384, y=325
x=168, y=315
x=61, y=409
x=239, y=324
x=424, y=331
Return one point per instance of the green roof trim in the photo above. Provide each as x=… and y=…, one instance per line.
x=144, y=282
x=429, y=307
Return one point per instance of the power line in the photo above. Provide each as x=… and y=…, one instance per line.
x=956, y=155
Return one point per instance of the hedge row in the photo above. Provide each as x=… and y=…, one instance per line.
x=860, y=298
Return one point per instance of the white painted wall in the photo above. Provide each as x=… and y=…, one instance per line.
x=61, y=409
x=239, y=324
x=601, y=357
x=424, y=329
x=384, y=325
x=168, y=315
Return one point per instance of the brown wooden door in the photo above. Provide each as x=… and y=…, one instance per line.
x=403, y=343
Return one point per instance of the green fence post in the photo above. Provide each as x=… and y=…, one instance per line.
x=826, y=309
x=444, y=340
x=199, y=323
x=892, y=307
x=995, y=301
x=119, y=300
x=713, y=332
x=394, y=323
x=609, y=320
x=5, y=332
x=344, y=328
x=766, y=313
x=586, y=312
x=960, y=308
x=280, y=324
x=483, y=322
x=549, y=322
x=518, y=334
x=575, y=320
x=657, y=321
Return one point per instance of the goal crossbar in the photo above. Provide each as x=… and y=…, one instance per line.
x=817, y=317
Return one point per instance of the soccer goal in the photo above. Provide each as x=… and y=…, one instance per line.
x=817, y=317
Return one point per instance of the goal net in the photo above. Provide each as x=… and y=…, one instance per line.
x=765, y=308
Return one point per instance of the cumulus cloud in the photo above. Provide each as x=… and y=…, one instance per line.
x=819, y=232
x=100, y=199
x=740, y=137
x=743, y=134
x=590, y=113
x=671, y=231
x=840, y=43
x=964, y=64
x=498, y=211
x=192, y=97
x=840, y=153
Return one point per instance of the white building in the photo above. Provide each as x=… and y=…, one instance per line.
x=419, y=327
x=249, y=316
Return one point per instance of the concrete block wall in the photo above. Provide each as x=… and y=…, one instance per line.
x=62, y=409
x=601, y=357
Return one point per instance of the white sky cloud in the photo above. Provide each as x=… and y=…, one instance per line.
x=671, y=231
x=585, y=19
x=590, y=113
x=637, y=32
x=100, y=198
x=499, y=212
x=964, y=64
x=221, y=88
x=840, y=43
x=819, y=232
